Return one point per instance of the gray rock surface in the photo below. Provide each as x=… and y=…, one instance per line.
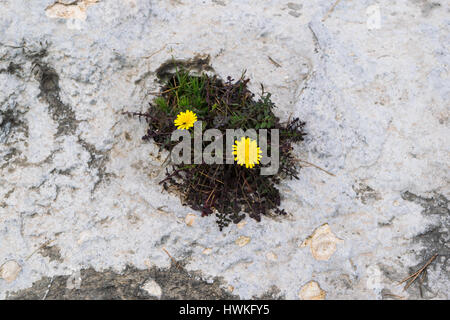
x=130, y=283
x=78, y=188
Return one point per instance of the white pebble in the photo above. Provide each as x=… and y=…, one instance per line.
x=152, y=288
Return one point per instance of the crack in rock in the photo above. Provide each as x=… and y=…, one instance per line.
x=12, y=130
x=9, y=119
x=435, y=240
x=53, y=253
x=365, y=193
x=60, y=112
x=426, y=6
x=12, y=69
x=97, y=160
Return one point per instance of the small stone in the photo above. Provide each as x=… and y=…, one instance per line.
x=207, y=251
x=241, y=224
x=323, y=242
x=312, y=291
x=84, y=236
x=230, y=288
x=10, y=270
x=74, y=281
x=242, y=241
x=71, y=10
x=271, y=256
x=189, y=219
x=152, y=288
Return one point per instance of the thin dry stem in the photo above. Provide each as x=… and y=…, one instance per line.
x=417, y=273
x=172, y=258
x=315, y=166
x=331, y=10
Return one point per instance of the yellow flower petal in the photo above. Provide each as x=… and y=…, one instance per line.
x=247, y=152
x=185, y=120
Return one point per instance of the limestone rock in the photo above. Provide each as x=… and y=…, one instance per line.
x=323, y=242
x=370, y=81
x=271, y=256
x=207, y=251
x=242, y=241
x=152, y=288
x=190, y=219
x=241, y=224
x=10, y=270
x=312, y=291
x=69, y=10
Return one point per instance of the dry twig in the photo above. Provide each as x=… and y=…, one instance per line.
x=315, y=166
x=416, y=274
x=274, y=62
x=394, y=296
x=331, y=10
x=158, y=51
x=46, y=243
x=172, y=258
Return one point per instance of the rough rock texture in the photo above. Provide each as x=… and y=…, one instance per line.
x=131, y=283
x=78, y=189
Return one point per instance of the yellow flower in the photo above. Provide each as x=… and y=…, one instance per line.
x=185, y=120
x=247, y=152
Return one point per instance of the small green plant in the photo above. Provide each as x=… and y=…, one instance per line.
x=226, y=190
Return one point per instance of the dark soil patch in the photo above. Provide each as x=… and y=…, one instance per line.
x=176, y=283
